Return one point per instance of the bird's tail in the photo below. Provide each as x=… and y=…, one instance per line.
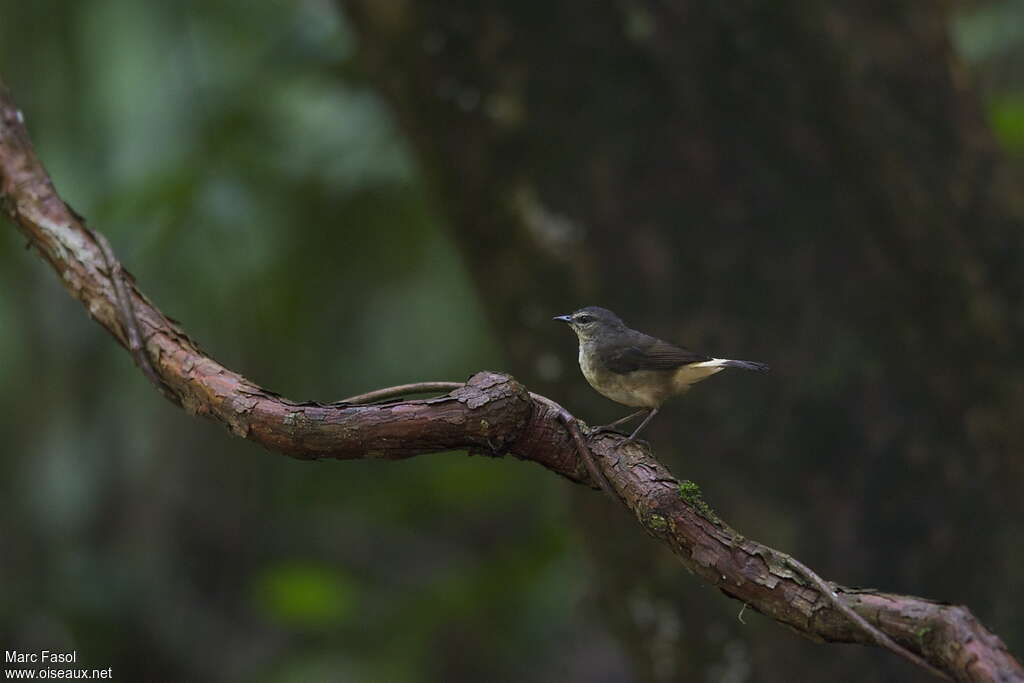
x=744, y=365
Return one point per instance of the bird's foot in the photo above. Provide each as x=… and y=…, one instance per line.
x=612, y=427
x=608, y=429
x=631, y=440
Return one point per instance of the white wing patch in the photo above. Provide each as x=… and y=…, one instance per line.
x=713, y=363
x=695, y=372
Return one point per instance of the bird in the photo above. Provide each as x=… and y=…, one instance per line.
x=636, y=369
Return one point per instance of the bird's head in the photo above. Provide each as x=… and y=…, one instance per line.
x=590, y=322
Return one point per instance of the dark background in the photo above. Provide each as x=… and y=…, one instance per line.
x=334, y=198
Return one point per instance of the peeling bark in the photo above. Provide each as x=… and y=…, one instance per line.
x=491, y=414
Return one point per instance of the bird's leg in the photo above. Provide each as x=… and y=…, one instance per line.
x=610, y=427
x=632, y=437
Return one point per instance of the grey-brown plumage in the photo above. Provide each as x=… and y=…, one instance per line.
x=636, y=369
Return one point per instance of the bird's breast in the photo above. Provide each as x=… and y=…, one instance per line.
x=639, y=389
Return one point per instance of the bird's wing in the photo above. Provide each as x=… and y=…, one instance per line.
x=648, y=353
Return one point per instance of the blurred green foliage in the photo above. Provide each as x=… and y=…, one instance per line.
x=990, y=37
x=1006, y=113
x=261, y=195
x=304, y=595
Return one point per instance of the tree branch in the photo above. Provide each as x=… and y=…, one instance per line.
x=490, y=414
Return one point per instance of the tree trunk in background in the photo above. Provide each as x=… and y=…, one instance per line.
x=811, y=185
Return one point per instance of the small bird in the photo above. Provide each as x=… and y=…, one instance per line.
x=636, y=369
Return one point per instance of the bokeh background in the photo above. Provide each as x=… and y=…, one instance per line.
x=335, y=197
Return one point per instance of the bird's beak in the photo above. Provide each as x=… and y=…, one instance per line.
x=563, y=318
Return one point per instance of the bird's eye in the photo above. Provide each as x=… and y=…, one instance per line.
x=585, y=319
